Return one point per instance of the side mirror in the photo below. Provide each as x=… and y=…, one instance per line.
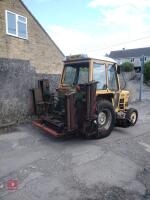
x=118, y=69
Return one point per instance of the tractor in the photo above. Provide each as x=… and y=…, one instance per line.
x=89, y=100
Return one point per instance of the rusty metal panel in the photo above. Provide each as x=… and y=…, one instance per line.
x=71, y=111
x=38, y=100
x=90, y=99
x=44, y=86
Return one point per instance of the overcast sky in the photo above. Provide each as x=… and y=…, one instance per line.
x=94, y=27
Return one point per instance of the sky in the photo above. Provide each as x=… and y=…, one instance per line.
x=94, y=27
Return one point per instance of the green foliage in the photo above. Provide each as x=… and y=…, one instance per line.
x=127, y=67
x=147, y=71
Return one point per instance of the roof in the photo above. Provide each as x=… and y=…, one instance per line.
x=129, y=53
x=82, y=57
x=41, y=27
x=104, y=58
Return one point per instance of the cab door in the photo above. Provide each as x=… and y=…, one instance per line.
x=99, y=75
x=113, y=84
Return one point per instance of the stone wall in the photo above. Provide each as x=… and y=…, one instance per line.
x=17, y=77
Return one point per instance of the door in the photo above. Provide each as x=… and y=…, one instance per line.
x=99, y=75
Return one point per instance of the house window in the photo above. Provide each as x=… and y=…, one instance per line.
x=145, y=58
x=16, y=25
x=132, y=59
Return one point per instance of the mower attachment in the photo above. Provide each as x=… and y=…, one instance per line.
x=72, y=111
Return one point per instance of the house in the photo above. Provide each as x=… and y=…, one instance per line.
x=131, y=55
x=27, y=54
x=22, y=37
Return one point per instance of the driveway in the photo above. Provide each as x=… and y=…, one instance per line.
x=44, y=168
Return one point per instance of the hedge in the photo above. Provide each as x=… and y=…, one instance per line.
x=127, y=67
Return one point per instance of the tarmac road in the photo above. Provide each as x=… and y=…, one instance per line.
x=45, y=168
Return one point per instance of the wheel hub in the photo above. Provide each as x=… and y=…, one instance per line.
x=133, y=117
x=102, y=118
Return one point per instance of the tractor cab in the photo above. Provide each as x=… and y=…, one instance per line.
x=79, y=69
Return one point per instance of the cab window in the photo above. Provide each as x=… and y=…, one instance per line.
x=112, y=78
x=83, y=75
x=76, y=73
x=99, y=75
x=70, y=73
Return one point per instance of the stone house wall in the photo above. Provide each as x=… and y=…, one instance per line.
x=39, y=48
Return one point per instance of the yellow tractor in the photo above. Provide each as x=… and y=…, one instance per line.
x=89, y=100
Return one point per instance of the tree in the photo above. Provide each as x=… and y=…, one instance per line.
x=127, y=67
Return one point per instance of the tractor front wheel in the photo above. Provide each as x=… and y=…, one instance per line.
x=131, y=116
x=106, y=118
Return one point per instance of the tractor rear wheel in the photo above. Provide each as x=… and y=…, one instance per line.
x=106, y=118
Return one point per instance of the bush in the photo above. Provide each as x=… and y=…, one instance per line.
x=127, y=67
x=147, y=71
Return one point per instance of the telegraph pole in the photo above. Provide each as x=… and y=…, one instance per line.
x=141, y=78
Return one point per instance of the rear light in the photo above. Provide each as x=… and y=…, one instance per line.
x=77, y=88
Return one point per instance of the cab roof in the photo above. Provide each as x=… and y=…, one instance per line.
x=82, y=57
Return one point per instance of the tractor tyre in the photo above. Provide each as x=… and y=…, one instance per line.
x=106, y=118
x=131, y=117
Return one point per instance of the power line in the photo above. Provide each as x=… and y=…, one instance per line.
x=122, y=43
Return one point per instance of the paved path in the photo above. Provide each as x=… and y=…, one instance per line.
x=115, y=168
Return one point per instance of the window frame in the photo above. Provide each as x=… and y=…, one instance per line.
x=17, y=20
